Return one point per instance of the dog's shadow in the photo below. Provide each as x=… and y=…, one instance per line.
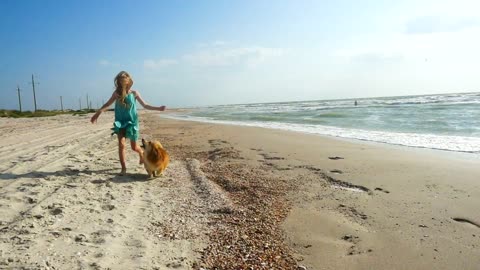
x=104, y=175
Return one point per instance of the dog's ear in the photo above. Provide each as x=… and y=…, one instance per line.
x=143, y=143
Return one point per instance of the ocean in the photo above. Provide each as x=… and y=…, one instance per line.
x=446, y=122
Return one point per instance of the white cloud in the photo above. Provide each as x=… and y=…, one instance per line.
x=104, y=63
x=215, y=43
x=440, y=24
x=377, y=57
x=443, y=46
x=219, y=43
x=217, y=57
x=155, y=64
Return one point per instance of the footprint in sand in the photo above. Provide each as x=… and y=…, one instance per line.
x=98, y=236
x=353, y=249
x=22, y=189
x=351, y=238
x=31, y=200
x=56, y=234
x=80, y=238
x=56, y=211
x=108, y=207
x=335, y=158
x=176, y=263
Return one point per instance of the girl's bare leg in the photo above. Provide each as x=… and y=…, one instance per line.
x=121, y=150
x=138, y=149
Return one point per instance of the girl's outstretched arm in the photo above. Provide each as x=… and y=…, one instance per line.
x=103, y=108
x=145, y=105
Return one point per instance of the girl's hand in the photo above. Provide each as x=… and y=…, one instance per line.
x=95, y=117
x=145, y=105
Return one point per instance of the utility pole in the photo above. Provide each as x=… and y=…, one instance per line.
x=80, y=101
x=88, y=106
x=61, y=103
x=34, y=97
x=19, y=100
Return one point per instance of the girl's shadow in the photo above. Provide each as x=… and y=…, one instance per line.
x=129, y=177
x=111, y=175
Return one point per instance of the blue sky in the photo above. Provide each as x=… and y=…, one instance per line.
x=194, y=53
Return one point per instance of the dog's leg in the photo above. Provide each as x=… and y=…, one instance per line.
x=153, y=172
x=148, y=171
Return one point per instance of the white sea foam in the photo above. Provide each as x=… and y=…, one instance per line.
x=450, y=143
x=447, y=122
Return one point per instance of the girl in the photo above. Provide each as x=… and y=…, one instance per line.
x=126, y=117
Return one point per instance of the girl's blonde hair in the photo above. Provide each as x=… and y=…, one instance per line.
x=121, y=89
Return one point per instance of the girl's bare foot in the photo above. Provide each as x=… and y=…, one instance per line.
x=123, y=172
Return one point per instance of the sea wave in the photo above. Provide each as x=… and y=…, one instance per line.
x=447, y=122
x=449, y=143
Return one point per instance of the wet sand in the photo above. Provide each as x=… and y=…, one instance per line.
x=233, y=197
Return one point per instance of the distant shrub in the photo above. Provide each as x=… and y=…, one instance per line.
x=41, y=113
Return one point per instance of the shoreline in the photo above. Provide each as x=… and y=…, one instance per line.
x=461, y=155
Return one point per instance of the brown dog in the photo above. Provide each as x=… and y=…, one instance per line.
x=155, y=158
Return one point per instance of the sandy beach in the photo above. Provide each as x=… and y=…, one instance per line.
x=232, y=198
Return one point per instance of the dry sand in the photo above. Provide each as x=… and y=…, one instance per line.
x=232, y=198
x=63, y=206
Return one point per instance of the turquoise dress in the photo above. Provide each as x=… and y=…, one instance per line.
x=126, y=117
